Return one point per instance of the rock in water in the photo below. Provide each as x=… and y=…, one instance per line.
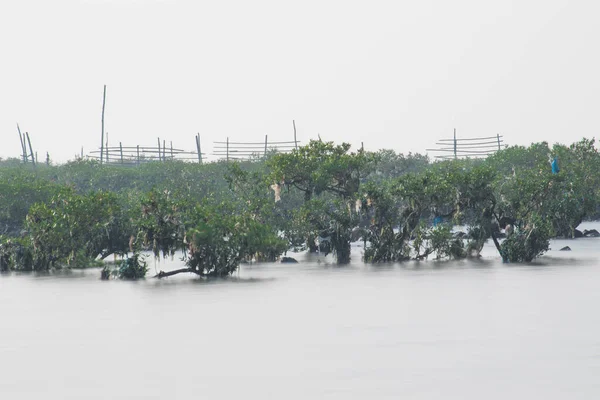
x=289, y=260
x=566, y=248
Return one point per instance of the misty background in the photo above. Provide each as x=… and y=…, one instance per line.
x=391, y=74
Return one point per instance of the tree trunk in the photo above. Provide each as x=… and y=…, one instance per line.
x=163, y=274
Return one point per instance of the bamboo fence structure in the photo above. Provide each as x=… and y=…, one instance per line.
x=454, y=148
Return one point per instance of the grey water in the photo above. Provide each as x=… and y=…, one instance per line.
x=472, y=329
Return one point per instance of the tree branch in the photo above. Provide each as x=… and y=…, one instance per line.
x=163, y=274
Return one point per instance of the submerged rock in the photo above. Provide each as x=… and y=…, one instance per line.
x=566, y=248
x=289, y=260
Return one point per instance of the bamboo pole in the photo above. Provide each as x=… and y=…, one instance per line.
x=23, y=147
x=265, y=146
x=102, y=140
x=498, y=136
x=121, y=149
x=295, y=141
x=30, y=149
x=158, y=149
x=455, y=143
x=198, y=148
x=172, y=150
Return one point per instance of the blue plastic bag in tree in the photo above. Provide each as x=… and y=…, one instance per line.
x=555, y=168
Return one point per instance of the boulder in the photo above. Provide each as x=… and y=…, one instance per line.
x=566, y=248
x=578, y=233
x=289, y=260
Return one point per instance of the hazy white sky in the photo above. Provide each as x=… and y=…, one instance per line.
x=392, y=74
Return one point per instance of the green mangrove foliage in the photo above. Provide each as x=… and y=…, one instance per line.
x=323, y=169
x=321, y=196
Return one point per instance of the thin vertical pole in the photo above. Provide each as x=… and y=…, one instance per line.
x=295, y=141
x=172, y=150
x=23, y=147
x=138, y=154
x=30, y=149
x=82, y=152
x=164, y=150
x=198, y=148
x=498, y=136
x=121, y=149
x=455, y=143
x=265, y=145
x=362, y=146
x=228, y=149
x=102, y=140
x=158, y=149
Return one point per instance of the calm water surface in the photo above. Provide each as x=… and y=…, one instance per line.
x=455, y=330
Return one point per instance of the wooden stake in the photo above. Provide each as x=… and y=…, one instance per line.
x=30, y=149
x=158, y=149
x=265, y=146
x=23, y=148
x=102, y=140
x=198, y=148
x=455, y=143
x=295, y=141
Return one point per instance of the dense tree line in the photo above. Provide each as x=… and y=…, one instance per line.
x=320, y=197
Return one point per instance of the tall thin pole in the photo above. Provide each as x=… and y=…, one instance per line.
x=158, y=149
x=228, y=149
x=172, y=150
x=138, y=154
x=23, y=148
x=121, y=149
x=455, y=143
x=498, y=136
x=198, y=148
x=30, y=149
x=295, y=141
x=266, y=145
x=102, y=140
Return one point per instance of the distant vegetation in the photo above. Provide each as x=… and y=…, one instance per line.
x=320, y=197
